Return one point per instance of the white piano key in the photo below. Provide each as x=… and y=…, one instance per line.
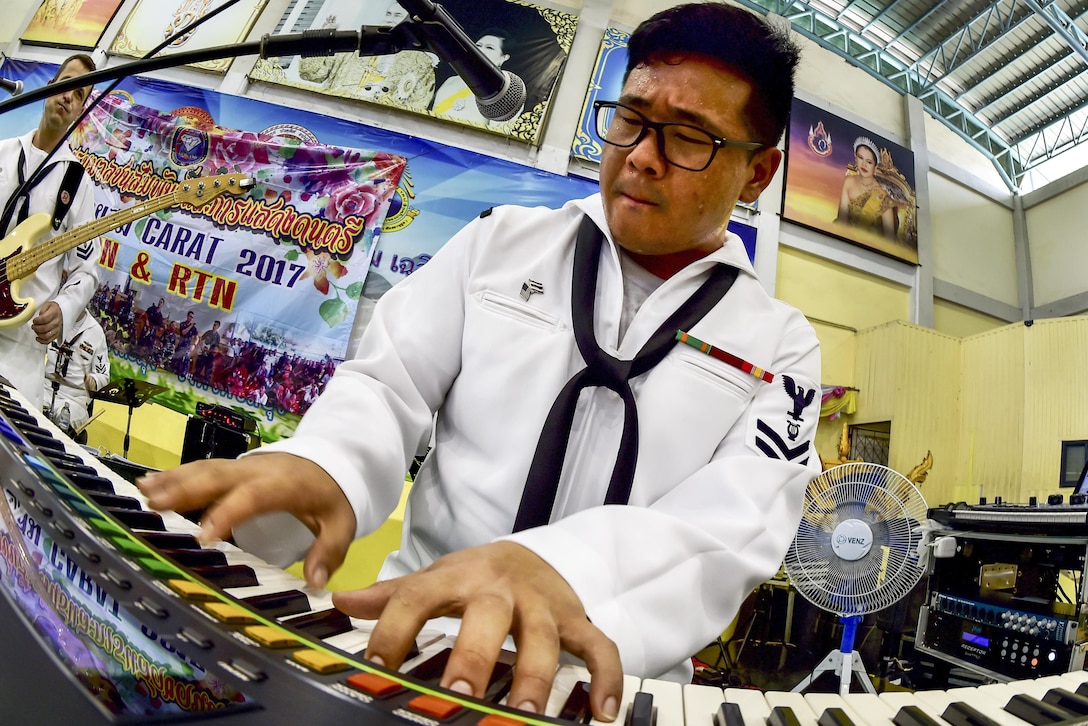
x=631, y=685
x=990, y=701
x=1036, y=687
x=820, y=702
x=566, y=678
x=795, y=702
x=898, y=699
x=871, y=708
x=668, y=701
x=1074, y=678
x=701, y=703
x=753, y=706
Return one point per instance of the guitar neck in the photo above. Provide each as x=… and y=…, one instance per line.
x=25, y=263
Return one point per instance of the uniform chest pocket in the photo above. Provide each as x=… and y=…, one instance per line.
x=517, y=310
x=720, y=375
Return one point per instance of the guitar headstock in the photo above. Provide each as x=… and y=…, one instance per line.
x=201, y=190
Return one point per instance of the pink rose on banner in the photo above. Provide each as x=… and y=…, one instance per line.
x=239, y=151
x=351, y=200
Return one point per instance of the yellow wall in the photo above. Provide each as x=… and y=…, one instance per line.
x=1055, y=230
x=976, y=245
x=961, y=322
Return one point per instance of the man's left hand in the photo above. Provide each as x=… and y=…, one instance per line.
x=495, y=589
x=48, y=323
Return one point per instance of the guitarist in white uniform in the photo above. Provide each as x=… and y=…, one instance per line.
x=23, y=347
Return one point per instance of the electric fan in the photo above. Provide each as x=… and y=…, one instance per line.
x=856, y=551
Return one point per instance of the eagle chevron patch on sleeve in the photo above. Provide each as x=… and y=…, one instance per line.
x=784, y=420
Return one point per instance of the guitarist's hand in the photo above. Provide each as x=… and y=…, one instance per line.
x=48, y=323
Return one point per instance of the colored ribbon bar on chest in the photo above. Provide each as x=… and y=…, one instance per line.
x=725, y=357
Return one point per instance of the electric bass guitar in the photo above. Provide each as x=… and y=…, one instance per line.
x=20, y=256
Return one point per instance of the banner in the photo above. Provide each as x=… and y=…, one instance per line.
x=440, y=190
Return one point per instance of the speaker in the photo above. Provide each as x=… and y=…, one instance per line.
x=207, y=439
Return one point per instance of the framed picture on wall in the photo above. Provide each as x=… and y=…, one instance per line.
x=526, y=40
x=76, y=24
x=153, y=21
x=849, y=182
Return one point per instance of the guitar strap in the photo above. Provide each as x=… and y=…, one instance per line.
x=73, y=175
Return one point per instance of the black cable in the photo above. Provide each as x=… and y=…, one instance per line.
x=33, y=179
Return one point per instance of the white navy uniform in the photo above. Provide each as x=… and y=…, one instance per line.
x=22, y=358
x=724, y=456
x=88, y=356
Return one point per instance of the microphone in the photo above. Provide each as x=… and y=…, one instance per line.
x=500, y=95
x=12, y=87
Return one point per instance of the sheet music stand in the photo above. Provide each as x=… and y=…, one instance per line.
x=131, y=392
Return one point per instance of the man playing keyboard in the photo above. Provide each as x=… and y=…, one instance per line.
x=622, y=417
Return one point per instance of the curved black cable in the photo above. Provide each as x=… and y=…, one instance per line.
x=80, y=81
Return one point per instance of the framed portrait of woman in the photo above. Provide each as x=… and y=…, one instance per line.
x=849, y=182
x=76, y=24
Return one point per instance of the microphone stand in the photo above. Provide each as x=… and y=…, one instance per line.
x=60, y=369
x=369, y=40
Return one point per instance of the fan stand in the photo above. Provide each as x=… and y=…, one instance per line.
x=844, y=662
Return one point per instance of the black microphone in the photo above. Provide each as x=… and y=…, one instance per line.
x=12, y=87
x=500, y=95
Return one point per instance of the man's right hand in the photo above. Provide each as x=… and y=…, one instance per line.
x=234, y=491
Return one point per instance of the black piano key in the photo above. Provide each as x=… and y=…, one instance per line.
x=196, y=558
x=502, y=677
x=783, y=716
x=116, y=501
x=279, y=604
x=641, y=712
x=137, y=519
x=65, y=457
x=320, y=624
x=92, y=483
x=728, y=714
x=1036, y=712
x=43, y=442
x=228, y=576
x=962, y=714
x=914, y=716
x=170, y=540
x=68, y=467
x=834, y=716
x=1068, y=700
x=576, y=708
x=430, y=670
x=18, y=415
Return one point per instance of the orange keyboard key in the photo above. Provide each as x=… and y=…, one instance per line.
x=373, y=684
x=434, y=706
x=319, y=662
x=494, y=719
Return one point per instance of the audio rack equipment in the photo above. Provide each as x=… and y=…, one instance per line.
x=1009, y=599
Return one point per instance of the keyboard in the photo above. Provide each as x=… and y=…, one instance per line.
x=216, y=631
x=1052, y=519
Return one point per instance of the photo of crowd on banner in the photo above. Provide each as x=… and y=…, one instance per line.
x=211, y=354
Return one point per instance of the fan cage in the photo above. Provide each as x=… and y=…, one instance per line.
x=894, y=511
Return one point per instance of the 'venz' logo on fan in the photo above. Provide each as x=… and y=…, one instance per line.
x=841, y=539
x=801, y=399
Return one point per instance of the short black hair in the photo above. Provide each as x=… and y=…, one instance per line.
x=86, y=60
x=745, y=42
x=509, y=42
x=83, y=58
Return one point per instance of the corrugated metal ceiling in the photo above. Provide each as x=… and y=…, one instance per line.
x=1010, y=76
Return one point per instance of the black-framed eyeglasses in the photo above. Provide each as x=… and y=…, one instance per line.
x=682, y=145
